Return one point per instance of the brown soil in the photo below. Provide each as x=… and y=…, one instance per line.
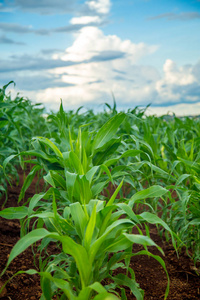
x=184, y=281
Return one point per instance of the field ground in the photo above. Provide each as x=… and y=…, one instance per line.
x=184, y=279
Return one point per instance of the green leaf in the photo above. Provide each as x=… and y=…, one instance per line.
x=28, y=181
x=106, y=296
x=124, y=280
x=192, y=164
x=98, y=188
x=14, y=212
x=79, y=218
x=117, y=244
x=48, y=178
x=90, y=174
x=142, y=240
x=128, y=153
x=26, y=241
x=50, y=144
x=108, y=130
x=112, y=199
x=63, y=285
x=81, y=257
x=110, y=203
x=182, y=178
x=127, y=209
x=70, y=183
x=55, y=180
x=153, y=191
x=115, y=226
x=76, y=163
x=194, y=222
x=90, y=229
x=154, y=219
x=46, y=288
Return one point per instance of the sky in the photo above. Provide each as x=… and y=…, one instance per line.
x=86, y=52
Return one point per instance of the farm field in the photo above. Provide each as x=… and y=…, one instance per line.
x=151, y=277
x=98, y=205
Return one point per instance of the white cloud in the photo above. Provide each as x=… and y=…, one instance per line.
x=131, y=84
x=85, y=20
x=177, y=83
x=99, y=6
x=92, y=84
x=175, y=75
x=182, y=109
x=95, y=79
x=91, y=41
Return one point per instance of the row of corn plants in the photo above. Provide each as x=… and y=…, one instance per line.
x=148, y=160
x=20, y=120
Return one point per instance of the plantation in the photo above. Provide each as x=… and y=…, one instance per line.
x=100, y=198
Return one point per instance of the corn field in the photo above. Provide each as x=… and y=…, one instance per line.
x=153, y=165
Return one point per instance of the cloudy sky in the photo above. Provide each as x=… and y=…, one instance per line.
x=142, y=51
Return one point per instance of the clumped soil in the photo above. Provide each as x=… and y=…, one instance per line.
x=184, y=279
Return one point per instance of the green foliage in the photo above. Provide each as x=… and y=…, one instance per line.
x=100, y=170
x=20, y=120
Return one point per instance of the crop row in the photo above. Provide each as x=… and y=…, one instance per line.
x=151, y=162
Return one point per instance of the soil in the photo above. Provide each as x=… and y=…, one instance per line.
x=184, y=279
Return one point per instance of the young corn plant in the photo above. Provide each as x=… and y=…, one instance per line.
x=76, y=166
x=94, y=240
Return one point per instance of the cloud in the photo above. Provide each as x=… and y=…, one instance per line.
x=181, y=109
x=44, y=60
x=16, y=28
x=184, y=16
x=51, y=7
x=40, y=82
x=50, y=52
x=31, y=63
x=96, y=65
x=86, y=20
x=5, y=9
x=98, y=9
x=99, y=6
x=91, y=41
x=46, y=7
x=107, y=55
x=179, y=84
x=99, y=61
x=77, y=24
x=5, y=40
x=87, y=72
x=35, y=81
x=132, y=84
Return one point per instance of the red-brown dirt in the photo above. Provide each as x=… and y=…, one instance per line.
x=184, y=279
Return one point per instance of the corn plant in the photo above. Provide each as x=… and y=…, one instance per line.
x=94, y=241
x=75, y=166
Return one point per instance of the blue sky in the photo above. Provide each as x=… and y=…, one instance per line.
x=142, y=51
